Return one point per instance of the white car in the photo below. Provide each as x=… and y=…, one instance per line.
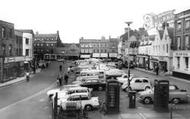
x=52, y=92
x=81, y=100
x=124, y=78
x=137, y=84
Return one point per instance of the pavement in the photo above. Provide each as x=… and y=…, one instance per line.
x=17, y=80
x=127, y=113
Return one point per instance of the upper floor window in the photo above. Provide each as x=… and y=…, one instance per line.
x=10, y=50
x=3, y=32
x=11, y=33
x=47, y=44
x=52, y=44
x=179, y=25
x=187, y=42
x=27, y=41
x=187, y=24
x=27, y=52
x=178, y=42
x=167, y=48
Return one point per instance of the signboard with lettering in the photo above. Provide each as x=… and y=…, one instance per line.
x=184, y=54
x=154, y=21
x=112, y=96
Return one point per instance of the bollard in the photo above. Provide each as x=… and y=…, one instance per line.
x=171, y=110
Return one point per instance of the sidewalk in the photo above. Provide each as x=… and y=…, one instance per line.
x=17, y=80
x=162, y=74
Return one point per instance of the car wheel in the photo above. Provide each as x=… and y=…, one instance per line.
x=147, y=100
x=175, y=100
x=100, y=88
x=147, y=87
x=88, y=107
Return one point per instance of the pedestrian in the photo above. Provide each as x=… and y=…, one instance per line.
x=59, y=78
x=157, y=69
x=60, y=67
x=27, y=76
x=66, y=78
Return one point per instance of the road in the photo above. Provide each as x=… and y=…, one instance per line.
x=28, y=100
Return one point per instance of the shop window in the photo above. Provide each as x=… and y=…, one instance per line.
x=178, y=62
x=10, y=50
x=187, y=44
x=179, y=43
x=186, y=62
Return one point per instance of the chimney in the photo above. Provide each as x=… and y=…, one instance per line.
x=58, y=32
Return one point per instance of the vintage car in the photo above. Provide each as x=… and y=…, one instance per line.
x=124, y=78
x=82, y=100
x=137, y=83
x=94, y=84
x=176, y=95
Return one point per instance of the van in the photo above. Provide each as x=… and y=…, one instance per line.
x=91, y=74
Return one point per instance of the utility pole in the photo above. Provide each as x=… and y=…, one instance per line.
x=128, y=23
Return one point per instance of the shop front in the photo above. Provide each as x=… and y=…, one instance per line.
x=143, y=61
x=181, y=64
x=13, y=68
x=153, y=63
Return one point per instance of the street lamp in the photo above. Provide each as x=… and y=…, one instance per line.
x=128, y=23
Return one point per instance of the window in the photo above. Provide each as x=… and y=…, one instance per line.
x=138, y=81
x=145, y=81
x=167, y=48
x=163, y=47
x=187, y=42
x=10, y=50
x=27, y=52
x=179, y=43
x=187, y=62
x=3, y=32
x=42, y=44
x=47, y=44
x=27, y=41
x=11, y=33
x=52, y=44
x=179, y=25
x=187, y=24
x=178, y=62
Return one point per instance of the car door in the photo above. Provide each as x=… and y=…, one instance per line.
x=84, y=100
x=145, y=83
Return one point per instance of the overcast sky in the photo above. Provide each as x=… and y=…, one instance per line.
x=83, y=18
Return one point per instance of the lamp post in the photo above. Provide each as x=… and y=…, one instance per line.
x=128, y=23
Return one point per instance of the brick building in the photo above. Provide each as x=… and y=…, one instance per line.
x=45, y=45
x=181, y=45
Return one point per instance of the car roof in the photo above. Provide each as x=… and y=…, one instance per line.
x=86, y=94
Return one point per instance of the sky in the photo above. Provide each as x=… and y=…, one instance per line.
x=90, y=19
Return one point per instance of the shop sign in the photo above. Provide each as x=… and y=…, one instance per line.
x=184, y=54
x=9, y=59
x=104, y=55
x=154, y=21
x=112, y=54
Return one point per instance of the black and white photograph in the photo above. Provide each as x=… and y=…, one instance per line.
x=94, y=59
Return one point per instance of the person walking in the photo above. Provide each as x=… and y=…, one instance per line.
x=59, y=79
x=157, y=69
x=27, y=76
x=66, y=78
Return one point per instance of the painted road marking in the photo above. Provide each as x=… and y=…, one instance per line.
x=27, y=98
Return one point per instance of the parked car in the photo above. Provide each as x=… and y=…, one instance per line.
x=52, y=92
x=81, y=100
x=94, y=84
x=176, y=95
x=137, y=84
x=124, y=78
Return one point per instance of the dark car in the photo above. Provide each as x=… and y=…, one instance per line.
x=95, y=84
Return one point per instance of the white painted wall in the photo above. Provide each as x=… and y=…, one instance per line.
x=28, y=46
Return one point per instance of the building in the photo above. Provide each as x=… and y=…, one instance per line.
x=11, y=59
x=68, y=51
x=181, y=45
x=99, y=48
x=27, y=39
x=45, y=45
